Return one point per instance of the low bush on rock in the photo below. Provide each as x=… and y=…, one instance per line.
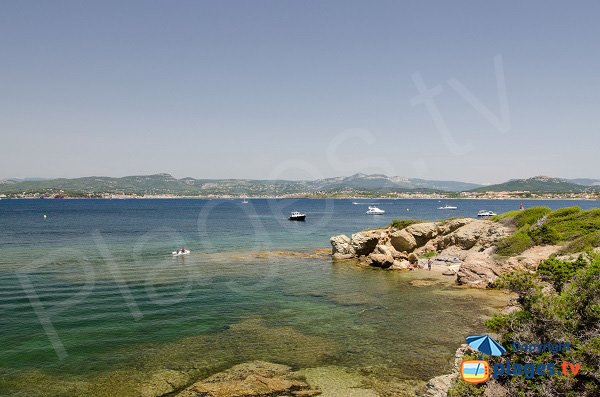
x=577, y=229
x=402, y=223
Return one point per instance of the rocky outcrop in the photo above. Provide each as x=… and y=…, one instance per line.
x=423, y=232
x=342, y=247
x=478, y=269
x=439, y=386
x=364, y=243
x=361, y=244
x=481, y=269
x=163, y=382
x=479, y=234
x=467, y=245
x=402, y=240
x=380, y=260
x=253, y=379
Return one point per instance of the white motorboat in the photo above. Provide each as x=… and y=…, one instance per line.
x=485, y=213
x=297, y=216
x=181, y=252
x=375, y=211
x=447, y=207
x=245, y=201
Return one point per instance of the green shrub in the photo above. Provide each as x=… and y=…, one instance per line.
x=572, y=314
x=583, y=244
x=544, y=235
x=576, y=224
x=515, y=244
x=565, y=212
x=558, y=272
x=579, y=229
x=530, y=216
x=428, y=254
x=402, y=223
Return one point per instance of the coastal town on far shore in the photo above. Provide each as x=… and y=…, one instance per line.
x=519, y=195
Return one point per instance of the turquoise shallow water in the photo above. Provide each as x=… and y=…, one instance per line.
x=92, y=294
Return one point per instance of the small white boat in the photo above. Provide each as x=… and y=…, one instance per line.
x=375, y=211
x=447, y=207
x=485, y=213
x=244, y=201
x=297, y=216
x=181, y=252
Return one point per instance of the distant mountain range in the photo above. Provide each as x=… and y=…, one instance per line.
x=163, y=184
x=544, y=184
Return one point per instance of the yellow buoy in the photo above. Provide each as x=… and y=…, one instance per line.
x=44, y=216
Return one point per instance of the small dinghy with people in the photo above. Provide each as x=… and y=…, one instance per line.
x=181, y=252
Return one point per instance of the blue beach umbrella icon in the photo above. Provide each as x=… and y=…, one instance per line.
x=486, y=345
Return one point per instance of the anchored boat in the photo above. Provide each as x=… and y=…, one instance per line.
x=375, y=211
x=297, y=216
x=485, y=213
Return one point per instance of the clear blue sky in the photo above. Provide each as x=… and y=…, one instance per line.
x=258, y=89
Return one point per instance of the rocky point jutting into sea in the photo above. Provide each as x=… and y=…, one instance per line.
x=465, y=247
x=478, y=253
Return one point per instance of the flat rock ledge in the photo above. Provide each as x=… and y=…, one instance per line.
x=463, y=248
x=252, y=379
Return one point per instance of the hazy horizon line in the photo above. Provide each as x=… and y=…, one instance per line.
x=39, y=178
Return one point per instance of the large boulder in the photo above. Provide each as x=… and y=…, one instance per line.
x=381, y=260
x=388, y=250
x=364, y=243
x=453, y=224
x=403, y=241
x=478, y=269
x=494, y=233
x=476, y=234
x=254, y=379
x=341, y=247
x=423, y=231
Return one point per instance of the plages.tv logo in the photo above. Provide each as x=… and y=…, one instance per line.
x=479, y=371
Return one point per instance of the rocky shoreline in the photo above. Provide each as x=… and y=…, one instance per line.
x=463, y=247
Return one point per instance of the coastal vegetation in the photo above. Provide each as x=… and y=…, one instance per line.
x=402, y=223
x=576, y=229
x=541, y=184
x=559, y=303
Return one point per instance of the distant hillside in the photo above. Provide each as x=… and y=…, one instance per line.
x=396, y=183
x=358, y=184
x=585, y=181
x=167, y=184
x=538, y=184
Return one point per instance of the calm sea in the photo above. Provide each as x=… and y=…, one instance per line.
x=92, y=300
